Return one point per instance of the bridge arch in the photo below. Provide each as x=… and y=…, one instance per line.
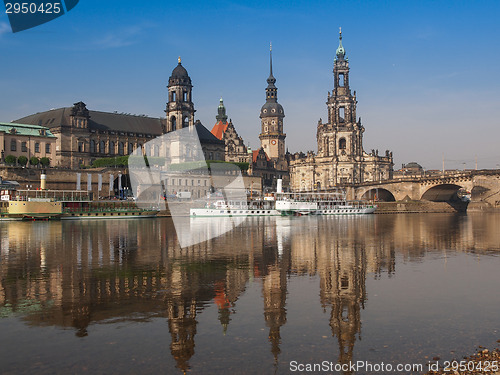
x=442, y=193
x=379, y=194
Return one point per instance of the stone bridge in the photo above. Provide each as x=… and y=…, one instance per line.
x=484, y=185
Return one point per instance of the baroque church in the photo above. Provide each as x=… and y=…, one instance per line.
x=341, y=159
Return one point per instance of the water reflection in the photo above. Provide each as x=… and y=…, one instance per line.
x=75, y=274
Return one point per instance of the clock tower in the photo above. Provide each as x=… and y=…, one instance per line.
x=272, y=138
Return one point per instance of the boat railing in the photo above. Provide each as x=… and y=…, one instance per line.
x=54, y=195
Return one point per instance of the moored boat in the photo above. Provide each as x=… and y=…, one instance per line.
x=221, y=208
x=321, y=204
x=65, y=205
x=284, y=204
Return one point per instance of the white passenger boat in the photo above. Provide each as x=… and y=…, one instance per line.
x=222, y=207
x=321, y=204
x=283, y=204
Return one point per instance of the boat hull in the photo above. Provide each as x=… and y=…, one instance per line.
x=212, y=212
x=108, y=215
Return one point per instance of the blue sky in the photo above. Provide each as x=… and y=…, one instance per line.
x=426, y=73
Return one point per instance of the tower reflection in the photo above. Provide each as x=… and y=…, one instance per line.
x=76, y=274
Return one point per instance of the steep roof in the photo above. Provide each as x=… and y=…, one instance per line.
x=219, y=129
x=205, y=135
x=103, y=121
x=255, y=154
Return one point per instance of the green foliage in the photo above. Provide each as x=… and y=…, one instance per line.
x=44, y=161
x=241, y=166
x=22, y=160
x=10, y=159
x=34, y=160
x=119, y=161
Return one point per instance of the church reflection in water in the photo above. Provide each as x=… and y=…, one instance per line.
x=74, y=274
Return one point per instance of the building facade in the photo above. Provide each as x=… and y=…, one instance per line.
x=340, y=159
x=235, y=149
x=27, y=140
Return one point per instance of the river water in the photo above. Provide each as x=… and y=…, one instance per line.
x=121, y=296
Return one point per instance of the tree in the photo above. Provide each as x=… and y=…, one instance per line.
x=44, y=162
x=10, y=160
x=34, y=160
x=22, y=160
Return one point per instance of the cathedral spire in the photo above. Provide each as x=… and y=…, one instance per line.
x=340, y=50
x=271, y=90
x=271, y=59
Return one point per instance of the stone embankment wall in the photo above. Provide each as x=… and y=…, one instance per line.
x=413, y=207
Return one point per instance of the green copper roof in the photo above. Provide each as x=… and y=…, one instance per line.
x=340, y=50
x=221, y=110
x=27, y=130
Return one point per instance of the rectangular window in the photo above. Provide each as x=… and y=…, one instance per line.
x=341, y=114
x=37, y=147
x=13, y=145
x=47, y=148
x=341, y=80
x=24, y=148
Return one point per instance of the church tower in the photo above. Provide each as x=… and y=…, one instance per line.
x=347, y=142
x=180, y=108
x=272, y=138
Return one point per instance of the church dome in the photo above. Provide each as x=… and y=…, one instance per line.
x=179, y=72
x=179, y=75
x=272, y=109
x=413, y=164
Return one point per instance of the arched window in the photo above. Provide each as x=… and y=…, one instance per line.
x=173, y=124
x=185, y=122
x=173, y=96
x=341, y=80
x=342, y=144
x=185, y=96
x=92, y=146
x=341, y=114
x=111, y=147
x=102, y=147
x=130, y=148
x=121, y=148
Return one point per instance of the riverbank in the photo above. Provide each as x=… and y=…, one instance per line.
x=485, y=361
